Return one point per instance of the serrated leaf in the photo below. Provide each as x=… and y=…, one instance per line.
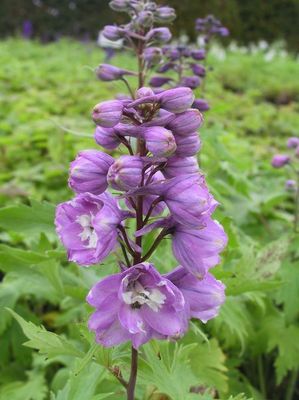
x=47, y=343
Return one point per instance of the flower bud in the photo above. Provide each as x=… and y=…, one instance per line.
x=107, y=72
x=108, y=113
x=223, y=32
x=112, y=32
x=158, y=81
x=190, y=81
x=293, y=142
x=159, y=35
x=107, y=138
x=198, y=70
x=166, y=67
x=176, y=100
x=150, y=6
x=144, y=92
x=187, y=146
x=145, y=19
x=198, y=54
x=165, y=14
x=186, y=122
x=120, y=5
x=290, y=185
x=180, y=166
x=152, y=55
x=159, y=141
x=201, y=105
x=88, y=172
x=125, y=173
x=162, y=118
x=280, y=160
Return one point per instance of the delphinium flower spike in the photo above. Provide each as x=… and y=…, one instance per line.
x=292, y=161
x=158, y=184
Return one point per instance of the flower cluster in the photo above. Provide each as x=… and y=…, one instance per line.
x=188, y=63
x=291, y=185
x=281, y=160
x=184, y=61
x=159, y=185
x=209, y=27
x=139, y=303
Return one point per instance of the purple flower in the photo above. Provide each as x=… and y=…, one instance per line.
x=120, y=5
x=108, y=113
x=186, y=122
x=198, y=54
x=186, y=196
x=158, y=81
x=223, y=32
x=161, y=118
x=198, y=249
x=166, y=67
x=107, y=72
x=203, y=297
x=159, y=141
x=88, y=172
x=280, y=160
x=112, y=32
x=187, y=145
x=137, y=305
x=293, y=142
x=201, y=105
x=125, y=173
x=87, y=227
x=176, y=166
x=152, y=55
x=290, y=185
x=176, y=100
x=198, y=70
x=164, y=14
x=144, y=19
x=107, y=138
x=144, y=92
x=190, y=81
x=159, y=35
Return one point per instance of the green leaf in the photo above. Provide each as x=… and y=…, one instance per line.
x=29, y=220
x=34, y=389
x=47, y=343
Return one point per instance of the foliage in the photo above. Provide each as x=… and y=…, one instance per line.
x=251, y=350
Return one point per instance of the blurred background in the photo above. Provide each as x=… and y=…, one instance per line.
x=248, y=20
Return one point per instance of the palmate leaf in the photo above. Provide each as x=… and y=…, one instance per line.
x=285, y=339
x=47, y=343
x=33, y=389
x=166, y=366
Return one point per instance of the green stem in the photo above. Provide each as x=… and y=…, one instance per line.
x=292, y=385
x=261, y=376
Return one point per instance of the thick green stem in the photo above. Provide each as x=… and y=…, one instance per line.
x=261, y=376
x=292, y=385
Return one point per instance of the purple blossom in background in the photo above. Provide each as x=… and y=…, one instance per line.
x=27, y=31
x=280, y=160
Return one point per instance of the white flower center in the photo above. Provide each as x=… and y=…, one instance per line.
x=137, y=295
x=88, y=232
